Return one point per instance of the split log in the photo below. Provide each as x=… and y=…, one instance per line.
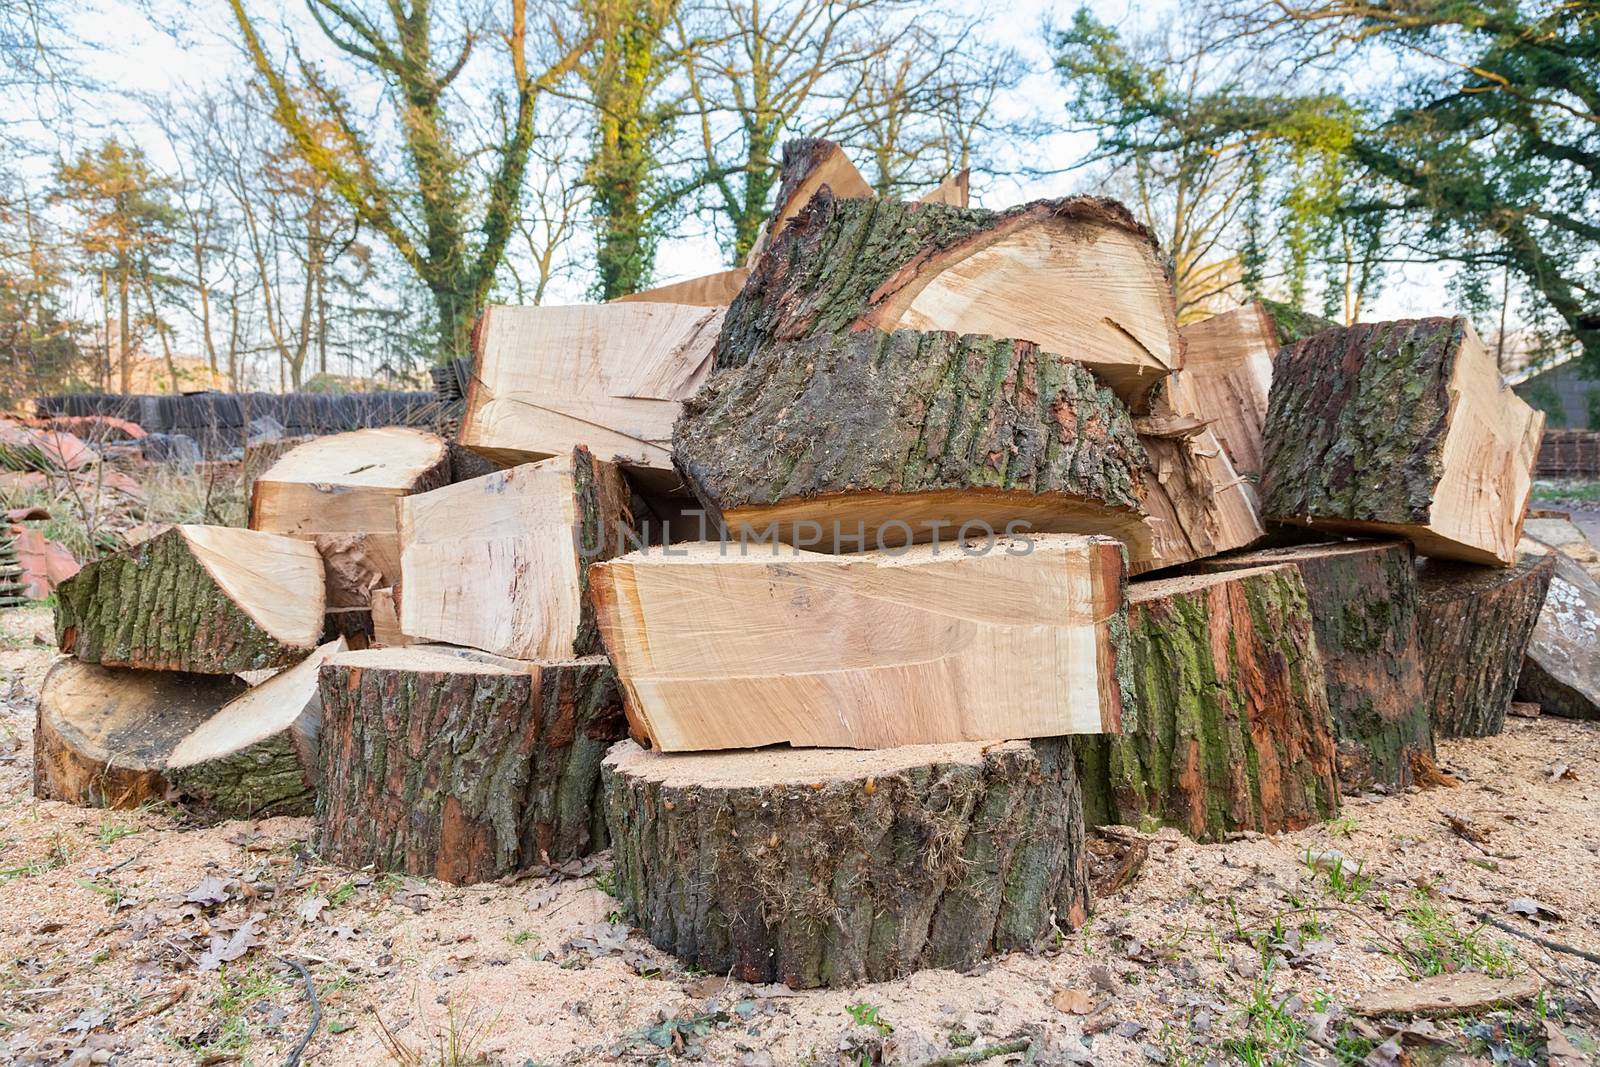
x=1198, y=505
x=1474, y=624
x=501, y=563
x=1561, y=672
x=1077, y=276
x=386, y=632
x=1229, y=727
x=1401, y=429
x=1363, y=599
x=720, y=649
x=339, y=493
x=207, y=599
x=708, y=290
x=612, y=377
x=1227, y=369
x=810, y=164
x=461, y=766
x=954, y=191
x=836, y=867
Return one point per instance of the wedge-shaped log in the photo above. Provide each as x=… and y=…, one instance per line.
x=610, y=377
x=832, y=868
x=1401, y=428
x=1077, y=276
x=501, y=562
x=207, y=599
x=117, y=738
x=722, y=649
x=462, y=766
x=1227, y=369
x=1561, y=672
x=1231, y=729
x=1363, y=598
x=707, y=290
x=1475, y=624
x=339, y=493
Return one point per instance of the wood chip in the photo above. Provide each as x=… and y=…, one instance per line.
x=1447, y=994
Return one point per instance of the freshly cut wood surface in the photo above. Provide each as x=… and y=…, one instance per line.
x=1363, y=599
x=1474, y=624
x=809, y=164
x=489, y=766
x=500, y=562
x=953, y=191
x=833, y=868
x=1229, y=726
x=339, y=493
x=1227, y=368
x=611, y=377
x=1077, y=276
x=718, y=649
x=708, y=290
x=386, y=630
x=1561, y=672
x=1401, y=428
x=208, y=599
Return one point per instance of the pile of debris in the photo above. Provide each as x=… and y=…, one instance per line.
x=839, y=594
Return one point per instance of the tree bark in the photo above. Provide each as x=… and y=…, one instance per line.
x=462, y=767
x=1363, y=600
x=1232, y=730
x=1475, y=624
x=833, y=868
x=1561, y=672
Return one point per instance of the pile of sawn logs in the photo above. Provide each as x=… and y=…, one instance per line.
x=794, y=584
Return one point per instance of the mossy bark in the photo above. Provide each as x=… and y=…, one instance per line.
x=155, y=606
x=1290, y=324
x=1475, y=624
x=1363, y=600
x=464, y=776
x=1231, y=729
x=274, y=776
x=854, y=878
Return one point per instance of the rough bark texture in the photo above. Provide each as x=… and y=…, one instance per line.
x=154, y=606
x=1363, y=599
x=270, y=777
x=1562, y=670
x=1232, y=730
x=1290, y=324
x=1475, y=624
x=464, y=776
x=851, y=877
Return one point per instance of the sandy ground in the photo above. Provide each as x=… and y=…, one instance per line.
x=1212, y=953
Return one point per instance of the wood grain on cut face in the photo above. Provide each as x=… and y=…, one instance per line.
x=1227, y=368
x=707, y=290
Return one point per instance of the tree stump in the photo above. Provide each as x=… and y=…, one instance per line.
x=1363, y=598
x=1475, y=624
x=203, y=599
x=836, y=867
x=462, y=766
x=1231, y=729
x=1561, y=672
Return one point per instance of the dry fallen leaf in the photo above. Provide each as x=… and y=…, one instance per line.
x=1073, y=1001
x=211, y=890
x=1562, y=1052
x=1465, y=828
x=310, y=909
x=1560, y=772
x=226, y=950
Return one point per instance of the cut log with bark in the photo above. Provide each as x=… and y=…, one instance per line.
x=501, y=563
x=1561, y=671
x=118, y=738
x=1474, y=624
x=1227, y=370
x=1363, y=599
x=1401, y=429
x=834, y=867
x=1290, y=324
x=1229, y=726
x=206, y=599
x=810, y=164
x=1198, y=504
x=708, y=290
x=612, y=378
x=339, y=493
x=1077, y=276
x=461, y=766
x=719, y=648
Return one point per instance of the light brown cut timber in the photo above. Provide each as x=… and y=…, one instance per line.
x=339, y=493
x=500, y=562
x=953, y=191
x=386, y=632
x=809, y=164
x=208, y=599
x=1404, y=429
x=1227, y=370
x=708, y=290
x=718, y=649
x=611, y=377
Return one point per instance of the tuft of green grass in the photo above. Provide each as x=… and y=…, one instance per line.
x=1436, y=945
x=1341, y=880
x=868, y=1015
x=113, y=830
x=237, y=991
x=606, y=881
x=1272, y=1035
x=459, y=1044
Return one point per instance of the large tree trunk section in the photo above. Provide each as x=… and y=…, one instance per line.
x=1562, y=670
x=339, y=493
x=833, y=868
x=501, y=563
x=460, y=766
x=1231, y=730
x=1227, y=368
x=1363, y=598
x=1401, y=429
x=721, y=649
x=206, y=599
x=1475, y=624
x=708, y=290
x=612, y=377
x=874, y=439
x=1077, y=276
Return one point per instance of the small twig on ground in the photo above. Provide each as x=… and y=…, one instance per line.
x=978, y=1055
x=1553, y=946
x=316, y=1012
x=157, y=1008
